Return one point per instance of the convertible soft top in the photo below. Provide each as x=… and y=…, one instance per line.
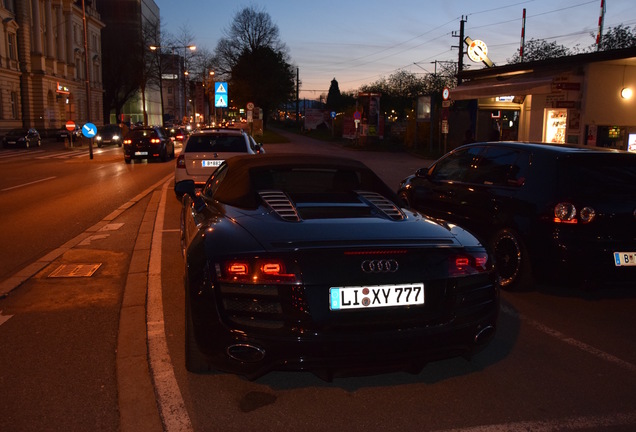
x=293, y=174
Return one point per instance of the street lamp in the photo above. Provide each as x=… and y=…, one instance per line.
x=185, y=72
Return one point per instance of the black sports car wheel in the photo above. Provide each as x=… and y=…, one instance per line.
x=511, y=260
x=194, y=360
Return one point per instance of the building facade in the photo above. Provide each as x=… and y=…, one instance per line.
x=126, y=21
x=45, y=77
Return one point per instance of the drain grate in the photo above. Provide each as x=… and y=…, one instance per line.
x=75, y=270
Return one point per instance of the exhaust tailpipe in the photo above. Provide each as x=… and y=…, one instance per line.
x=245, y=353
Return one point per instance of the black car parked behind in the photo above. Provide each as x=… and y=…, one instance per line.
x=547, y=211
x=150, y=142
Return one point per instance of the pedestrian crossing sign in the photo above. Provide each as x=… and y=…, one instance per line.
x=220, y=95
x=220, y=100
x=220, y=87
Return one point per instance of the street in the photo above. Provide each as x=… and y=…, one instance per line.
x=92, y=328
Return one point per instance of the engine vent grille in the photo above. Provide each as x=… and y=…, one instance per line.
x=281, y=204
x=383, y=204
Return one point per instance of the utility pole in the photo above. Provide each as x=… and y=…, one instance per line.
x=460, y=60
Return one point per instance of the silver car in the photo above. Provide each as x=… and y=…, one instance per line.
x=206, y=149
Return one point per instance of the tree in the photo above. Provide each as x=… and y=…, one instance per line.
x=540, y=49
x=262, y=76
x=617, y=38
x=255, y=61
x=334, y=97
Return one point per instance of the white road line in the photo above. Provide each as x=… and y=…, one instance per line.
x=4, y=318
x=27, y=184
x=571, y=341
x=13, y=154
x=169, y=399
x=574, y=423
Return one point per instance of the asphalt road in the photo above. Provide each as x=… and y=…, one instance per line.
x=105, y=351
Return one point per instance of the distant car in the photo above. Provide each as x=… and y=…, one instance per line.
x=109, y=134
x=307, y=262
x=22, y=138
x=179, y=134
x=63, y=133
x=206, y=149
x=547, y=211
x=148, y=143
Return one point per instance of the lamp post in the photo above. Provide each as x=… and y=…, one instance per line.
x=182, y=75
x=210, y=88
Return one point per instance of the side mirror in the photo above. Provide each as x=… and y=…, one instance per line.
x=422, y=173
x=185, y=187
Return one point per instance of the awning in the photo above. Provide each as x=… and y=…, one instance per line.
x=498, y=88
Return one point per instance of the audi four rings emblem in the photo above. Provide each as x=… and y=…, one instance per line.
x=379, y=266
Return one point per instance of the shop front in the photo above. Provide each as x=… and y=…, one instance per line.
x=575, y=100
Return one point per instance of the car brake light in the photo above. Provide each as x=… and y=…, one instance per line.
x=127, y=141
x=468, y=264
x=181, y=161
x=566, y=213
x=155, y=140
x=256, y=271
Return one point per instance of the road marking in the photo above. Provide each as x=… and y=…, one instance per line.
x=570, y=341
x=169, y=399
x=574, y=423
x=27, y=184
x=4, y=318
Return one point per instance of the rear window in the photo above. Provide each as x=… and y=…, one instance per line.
x=609, y=173
x=142, y=133
x=216, y=143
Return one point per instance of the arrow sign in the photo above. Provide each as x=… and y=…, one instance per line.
x=89, y=130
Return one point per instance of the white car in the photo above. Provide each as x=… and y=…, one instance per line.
x=206, y=149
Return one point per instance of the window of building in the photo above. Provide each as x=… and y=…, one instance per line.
x=13, y=54
x=14, y=105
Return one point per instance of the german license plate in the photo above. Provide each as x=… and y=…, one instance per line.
x=211, y=163
x=358, y=297
x=624, y=259
x=140, y=153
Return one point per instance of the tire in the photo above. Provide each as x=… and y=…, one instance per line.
x=164, y=155
x=128, y=161
x=194, y=360
x=512, y=262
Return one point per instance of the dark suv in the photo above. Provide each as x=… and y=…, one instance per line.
x=150, y=142
x=546, y=211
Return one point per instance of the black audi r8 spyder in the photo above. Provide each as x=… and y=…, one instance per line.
x=306, y=262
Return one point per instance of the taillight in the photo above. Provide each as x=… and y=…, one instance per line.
x=567, y=213
x=258, y=271
x=468, y=263
x=181, y=161
x=127, y=141
x=155, y=140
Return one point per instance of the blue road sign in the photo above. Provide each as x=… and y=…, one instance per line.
x=220, y=87
x=89, y=130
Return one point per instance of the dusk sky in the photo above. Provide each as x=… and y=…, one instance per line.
x=359, y=42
